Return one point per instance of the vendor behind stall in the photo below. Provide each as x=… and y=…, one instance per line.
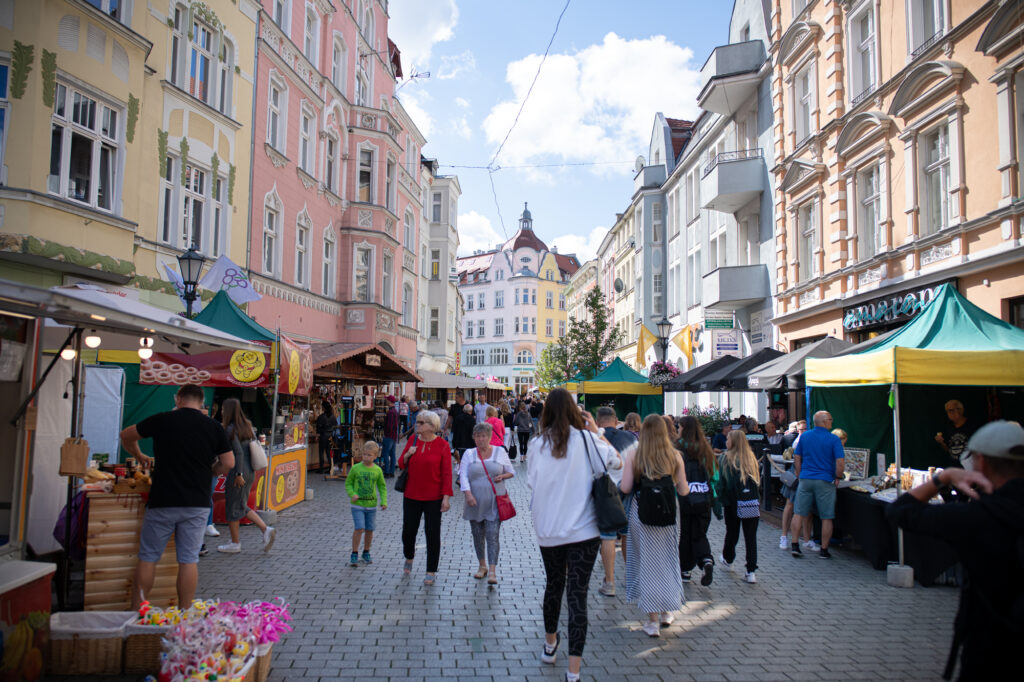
x=954, y=439
x=187, y=444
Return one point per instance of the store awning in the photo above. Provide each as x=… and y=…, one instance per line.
x=497, y=385
x=733, y=377
x=448, y=381
x=97, y=308
x=787, y=372
x=683, y=381
x=365, y=362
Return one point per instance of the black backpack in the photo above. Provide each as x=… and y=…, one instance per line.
x=656, y=501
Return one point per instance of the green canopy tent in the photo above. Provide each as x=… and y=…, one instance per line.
x=222, y=313
x=627, y=390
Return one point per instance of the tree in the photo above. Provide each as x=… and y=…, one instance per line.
x=554, y=367
x=593, y=338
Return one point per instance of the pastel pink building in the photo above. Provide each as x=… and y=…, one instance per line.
x=336, y=200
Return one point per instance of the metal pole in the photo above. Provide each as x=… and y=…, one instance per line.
x=273, y=421
x=899, y=477
x=77, y=389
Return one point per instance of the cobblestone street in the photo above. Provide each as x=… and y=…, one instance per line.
x=803, y=620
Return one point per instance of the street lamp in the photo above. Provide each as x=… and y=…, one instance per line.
x=664, y=329
x=190, y=264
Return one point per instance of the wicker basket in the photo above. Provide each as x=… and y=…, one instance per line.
x=87, y=643
x=263, y=655
x=142, y=648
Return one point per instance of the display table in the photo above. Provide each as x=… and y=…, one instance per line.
x=863, y=517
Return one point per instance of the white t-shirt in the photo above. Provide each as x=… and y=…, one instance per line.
x=481, y=412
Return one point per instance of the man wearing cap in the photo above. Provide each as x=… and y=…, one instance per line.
x=988, y=536
x=387, y=452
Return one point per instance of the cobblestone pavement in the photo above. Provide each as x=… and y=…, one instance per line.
x=806, y=619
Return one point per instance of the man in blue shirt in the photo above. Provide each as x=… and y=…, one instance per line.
x=818, y=463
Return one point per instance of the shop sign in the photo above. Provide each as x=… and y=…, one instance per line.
x=245, y=368
x=759, y=331
x=718, y=319
x=296, y=368
x=882, y=311
x=725, y=342
x=287, y=479
x=372, y=360
x=458, y=362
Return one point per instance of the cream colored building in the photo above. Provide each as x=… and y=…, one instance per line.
x=624, y=250
x=897, y=161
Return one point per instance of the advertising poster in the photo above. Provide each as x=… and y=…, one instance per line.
x=296, y=368
x=725, y=342
x=245, y=368
x=287, y=479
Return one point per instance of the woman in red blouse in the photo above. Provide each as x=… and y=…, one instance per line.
x=427, y=490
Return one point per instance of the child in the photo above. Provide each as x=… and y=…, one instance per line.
x=364, y=482
x=740, y=478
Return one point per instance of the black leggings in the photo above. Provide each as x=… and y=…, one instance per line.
x=325, y=452
x=524, y=438
x=733, y=524
x=575, y=562
x=694, y=548
x=411, y=512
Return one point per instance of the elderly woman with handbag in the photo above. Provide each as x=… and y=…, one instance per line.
x=482, y=478
x=426, y=488
x=239, y=480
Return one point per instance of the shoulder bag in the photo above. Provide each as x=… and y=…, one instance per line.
x=506, y=510
x=257, y=455
x=403, y=476
x=611, y=515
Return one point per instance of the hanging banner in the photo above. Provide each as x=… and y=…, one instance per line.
x=296, y=368
x=244, y=368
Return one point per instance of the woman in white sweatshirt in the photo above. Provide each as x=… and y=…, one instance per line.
x=564, y=456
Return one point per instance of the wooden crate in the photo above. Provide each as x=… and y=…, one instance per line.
x=112, y=550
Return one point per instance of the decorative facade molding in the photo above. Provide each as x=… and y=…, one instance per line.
x=277, y=158
x=937, y=253
x=355, y=316
x=365, y=218
x=810, y=296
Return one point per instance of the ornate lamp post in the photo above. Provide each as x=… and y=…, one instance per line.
x=190, y=264
x=664, y=329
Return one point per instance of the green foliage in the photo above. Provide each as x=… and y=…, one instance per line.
x=711, y=418
x=133, y=117
x=592, y=338
x=231, y=184
x=49, y=73
x=161, y=151
x=21, y=64
x=214, y=166
x=553, y=365
x=183, y=148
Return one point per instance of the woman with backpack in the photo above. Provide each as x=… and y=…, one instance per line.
x=738, y=485
x=655, y=474
x=695, y=508
x=524, y=427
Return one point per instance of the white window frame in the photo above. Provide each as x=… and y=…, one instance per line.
x=407, y=306
x=391, y=184
x=197, y=52
x=919, y=36
x=435, y=267
x=362, y=92
x=178, y=18
x=121, y=10
x=807, y=216
x=804, y=102
x=863, y=62
x=368, y=268
x=549, y=299
x=481, y=328
x=499, y=327
x=339, y=63
x=226, y=71
x=307, y=126
x=475, y=357
x=499, y=298
x=327, y=269
x=366, y=21
x=281, y=13
x=936, y=212
x=194, y=199
x=168, y=200
x=271, y=236
x=469, y=329
x=410, y=231
x=499, y=356
x=311, y=36
x=277, y=114
x=548, y=327
x=561, y=301
x=435, y=208
x=331, y=163
x=435, y=323
x=366, y=168
x=481, y=301
x=387, y=270
x=524, y=357
x=303, y=234
x=561, y=328
x=869, y=212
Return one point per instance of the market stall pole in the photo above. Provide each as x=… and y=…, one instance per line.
x=288, y=445
x=899, y=575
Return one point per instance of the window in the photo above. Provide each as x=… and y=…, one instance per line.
x=499, y=299
x=481, y=301
x=84, y=149
x=803, y=93
x=387, y=272
x=407, y=305
x=656, y=222
x=480, y=330
x=935, y=161
x=366, y=23
x=410, y=232
x=424, y=266
x=862, y=55
x=549, y=299
x=327, y=276
x=515, y=326
x=435, y=211
x=389, y=185
x=799, y=6
x=275, y=117
x=469, y=302
x=548, y=326
x=310, y=34
x=524, y=357
x=561, y=301
x=716, y=240
x=807, y=237
x=302, y=252
x=362, y=90
x=338, y=65
x=869, y=200
x=177, y=39
x=526, y=296
x=305, y=130
x=515, y=298
x=365, y=176
x=330, y=159
x=499, y=275
x=282, y=11
x=499, y=356
x=167, y=216
x=499, y=326
x=226, y=69
x=475, y=356
x=362, y=273
x=526, y=325
x=270, y=220
x=927, y=24
x=533, y=325
x=658, y=289
x=117, y=9
x=561, y=328
x=192, y=213
x=435, y=323
x=695, y=272
x=469, y=329
x=435, y=265
x=199, y=61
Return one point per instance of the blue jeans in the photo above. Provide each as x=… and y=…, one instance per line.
x=213, y=487
x=388, y=456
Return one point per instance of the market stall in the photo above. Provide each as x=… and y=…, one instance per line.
x=890, y=398
x=686, y=380
x=440, y=386
x=289, y=449
x=733, y=376
x=625, y=388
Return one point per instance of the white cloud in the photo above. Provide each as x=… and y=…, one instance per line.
x=585, y=247
x=416, y=26
x=461, y=127
x=464, y=103
x=476, y=233
x=596, y=105
x=452, y=65
x=423, y=120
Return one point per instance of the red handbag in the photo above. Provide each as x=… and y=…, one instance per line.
x=506, y=510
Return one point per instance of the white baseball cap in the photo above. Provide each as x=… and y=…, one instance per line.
x=998, y=439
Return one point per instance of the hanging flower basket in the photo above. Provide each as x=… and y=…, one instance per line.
x=662, y=372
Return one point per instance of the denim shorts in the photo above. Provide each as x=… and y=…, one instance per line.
x=186, y=524
x=364, y=518
x=625, y=529
x=814, y=492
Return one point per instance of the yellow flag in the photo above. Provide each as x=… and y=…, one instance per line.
x=647, y=340
x=684, y=341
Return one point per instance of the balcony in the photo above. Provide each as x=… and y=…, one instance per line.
x=736, y=287
x=732, y=179
x=730, y=76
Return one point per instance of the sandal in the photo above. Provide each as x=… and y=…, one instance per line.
x=407, y=569
x=492, y=578
x=429, y=579
x=480, y=574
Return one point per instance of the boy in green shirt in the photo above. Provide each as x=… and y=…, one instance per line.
x=364, y=481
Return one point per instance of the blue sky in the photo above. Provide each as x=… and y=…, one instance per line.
x=611, y=68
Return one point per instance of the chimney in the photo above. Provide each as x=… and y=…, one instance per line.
x=554, y=249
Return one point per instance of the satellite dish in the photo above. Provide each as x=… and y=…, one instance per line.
x=619, y=285
x=639, y=164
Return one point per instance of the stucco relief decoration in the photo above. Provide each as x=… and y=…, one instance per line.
x=355, y=316
x=276, y=157
x=809, y=296
x=870, y=276
x=389, y=227
x=409, y=262
x=368, y=121
x=936, y=253
x=365, y=218
x=270, y=36
x=392, y=130
x=385, y=321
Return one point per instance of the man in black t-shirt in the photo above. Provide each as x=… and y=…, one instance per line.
x=954, y=440
x=187, y=447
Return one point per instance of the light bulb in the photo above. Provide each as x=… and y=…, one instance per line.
x=68, y=353
x=145, y=353
x=93, y=340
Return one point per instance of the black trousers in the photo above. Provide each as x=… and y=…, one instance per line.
x=412, y=510
x=325, y=452
x=733, y=524
x=568, y=569
x=524, y=438
x=694, y=548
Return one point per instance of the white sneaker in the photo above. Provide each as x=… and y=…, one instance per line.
x=750, y=577
x=212, y=532
x=269, y=535
x=812, y=546
x=784, y=542
x=607, y=588
x=652, y=629
x=230, y=548
x=667, y=619
x=724, y=563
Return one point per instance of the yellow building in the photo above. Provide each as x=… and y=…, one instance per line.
x=552, y=315
x=624, y=249
x=897, y=161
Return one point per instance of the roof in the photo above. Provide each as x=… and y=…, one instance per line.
x=526, y=238
x=681, y=132
x=222, y=313
x=787, y=371
x=618, y=377
x=395, y=55
x=326, y=354
x=693, y=375
x=471, y=264
x=441, y=380
x=567, y=263
x=733, y=377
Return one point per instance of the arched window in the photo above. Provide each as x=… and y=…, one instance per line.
x=524, y=357
x=339, y=64
x=327, y=280
x=407, y=305
x=311, y=35
x=410, y=232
